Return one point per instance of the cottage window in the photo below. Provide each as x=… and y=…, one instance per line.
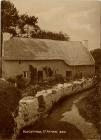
x=19, y=61
x=26, y=74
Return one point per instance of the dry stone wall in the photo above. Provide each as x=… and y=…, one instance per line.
x=32, y=108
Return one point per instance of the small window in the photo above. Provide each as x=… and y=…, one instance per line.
x=26, y=74
x=19, y=61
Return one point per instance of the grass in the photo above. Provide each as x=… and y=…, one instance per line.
x=90, y=107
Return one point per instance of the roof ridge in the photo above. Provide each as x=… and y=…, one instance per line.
x=44, y=39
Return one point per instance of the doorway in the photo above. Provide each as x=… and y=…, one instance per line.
x=40, y=75
x=68, y=75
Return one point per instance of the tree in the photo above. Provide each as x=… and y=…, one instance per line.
x=24, y=25
x=9, y=16
x=97, y=56
x=50, y=35
x=26, y=22
x=10, y=19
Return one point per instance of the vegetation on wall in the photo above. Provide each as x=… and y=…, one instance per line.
x=33, y=74
x=48, y=71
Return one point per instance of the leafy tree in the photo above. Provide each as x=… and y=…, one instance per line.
x=9, y=16
x=30, y=21
x=97, y=56
x=11, y=19
x=50, y=35
x=24, y=25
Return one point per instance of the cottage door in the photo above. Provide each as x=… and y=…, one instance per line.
x=68, y=75
x=40, y=75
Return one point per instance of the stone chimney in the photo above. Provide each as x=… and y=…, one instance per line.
x=85, y=43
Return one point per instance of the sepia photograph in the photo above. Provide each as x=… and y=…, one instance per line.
x=50, y=70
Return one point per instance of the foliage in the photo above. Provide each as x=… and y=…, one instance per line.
x=33, y=74
x=59, y=78
x=97, y=56
x=53, y=80
x=29, y=21
x=11, y=18
x=50, y=35
x=9, y=99
x=11, y=80
x=25, y=19
x=21, y=82
x=30, y=90
x=89, y=108
x=9, y=15
x=26, y=25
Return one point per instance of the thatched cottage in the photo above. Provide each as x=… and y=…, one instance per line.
x=68, y=58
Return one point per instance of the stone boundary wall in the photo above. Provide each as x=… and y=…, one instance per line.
x=32, y=108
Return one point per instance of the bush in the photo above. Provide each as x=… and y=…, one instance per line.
x=21, y=82
x=11, y=80
x=9, y=99
x=59, y=78
x=30, y=90
x=51, y=81
x=89, y=108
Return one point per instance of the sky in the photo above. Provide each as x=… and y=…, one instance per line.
x=80, y=19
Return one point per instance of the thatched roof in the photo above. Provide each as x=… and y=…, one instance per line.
x=72, y=52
